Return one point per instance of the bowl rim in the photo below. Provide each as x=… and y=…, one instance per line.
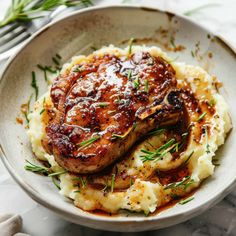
x=73, y=217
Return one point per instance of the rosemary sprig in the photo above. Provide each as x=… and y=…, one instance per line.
x=177, y=184
x=35, y=168
x=201, y=117
x=186, y=200
x=113, y=176
x=34, y=85
x=88, y=142
x=25, y=11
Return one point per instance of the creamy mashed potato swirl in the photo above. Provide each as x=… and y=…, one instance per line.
x=138, y=191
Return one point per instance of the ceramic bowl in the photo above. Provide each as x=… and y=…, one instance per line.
x=76, y=34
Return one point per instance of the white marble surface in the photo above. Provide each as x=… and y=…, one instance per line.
x=220, y=17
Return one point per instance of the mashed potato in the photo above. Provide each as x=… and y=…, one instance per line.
x=143, y=195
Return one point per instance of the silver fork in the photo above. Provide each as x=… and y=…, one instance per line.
x=13, y=35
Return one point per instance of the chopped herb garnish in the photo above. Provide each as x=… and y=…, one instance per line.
x=55, y=182
x=136, y=83
x=186, y=200
x=187, y=160
x=58, y=173
x=172, y=41
x=56, y=61
x=131, y=182
x=177, y=184
x=93, y=48
x=58, y=56
x=189, y=183
x=118, y=136
x=130, y=46
x=201, y=117
x=42, y=111
x=113, y=176
x=212, y=102
x=146, y=86
x=88, y=142
x=77, y=191
x=175, y=196
x=134, y=126
x=207, y=144
x=34, y=85
x=160, y=152
x=192, y=53
x=103, y=104
x=129, y=75
x=83, y=182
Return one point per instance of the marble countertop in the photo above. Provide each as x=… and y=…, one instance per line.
x=219, y=16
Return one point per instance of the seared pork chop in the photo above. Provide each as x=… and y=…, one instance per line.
x=105, y=105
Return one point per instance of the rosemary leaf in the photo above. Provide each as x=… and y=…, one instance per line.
x=136, y=83
x=58, y=173
x=42, y=111
x=146, y=86
x=55, y=182
x=88, y=142
x=113, y=176
x=130, y=46
x=201, y=117
x=103, y=104
x=34, y=85
x=186, y=200
x=129, y=74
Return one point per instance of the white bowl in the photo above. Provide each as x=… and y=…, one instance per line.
x=74, y=35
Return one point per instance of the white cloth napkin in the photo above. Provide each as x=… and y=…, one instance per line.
x=11, y=225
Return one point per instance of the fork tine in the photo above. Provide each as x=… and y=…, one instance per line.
x=11, y=35
x=15, y=41
x=5, y=29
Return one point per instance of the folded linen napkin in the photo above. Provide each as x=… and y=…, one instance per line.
x=11, y=225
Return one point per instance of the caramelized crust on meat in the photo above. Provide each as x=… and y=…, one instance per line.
x=110, y=102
